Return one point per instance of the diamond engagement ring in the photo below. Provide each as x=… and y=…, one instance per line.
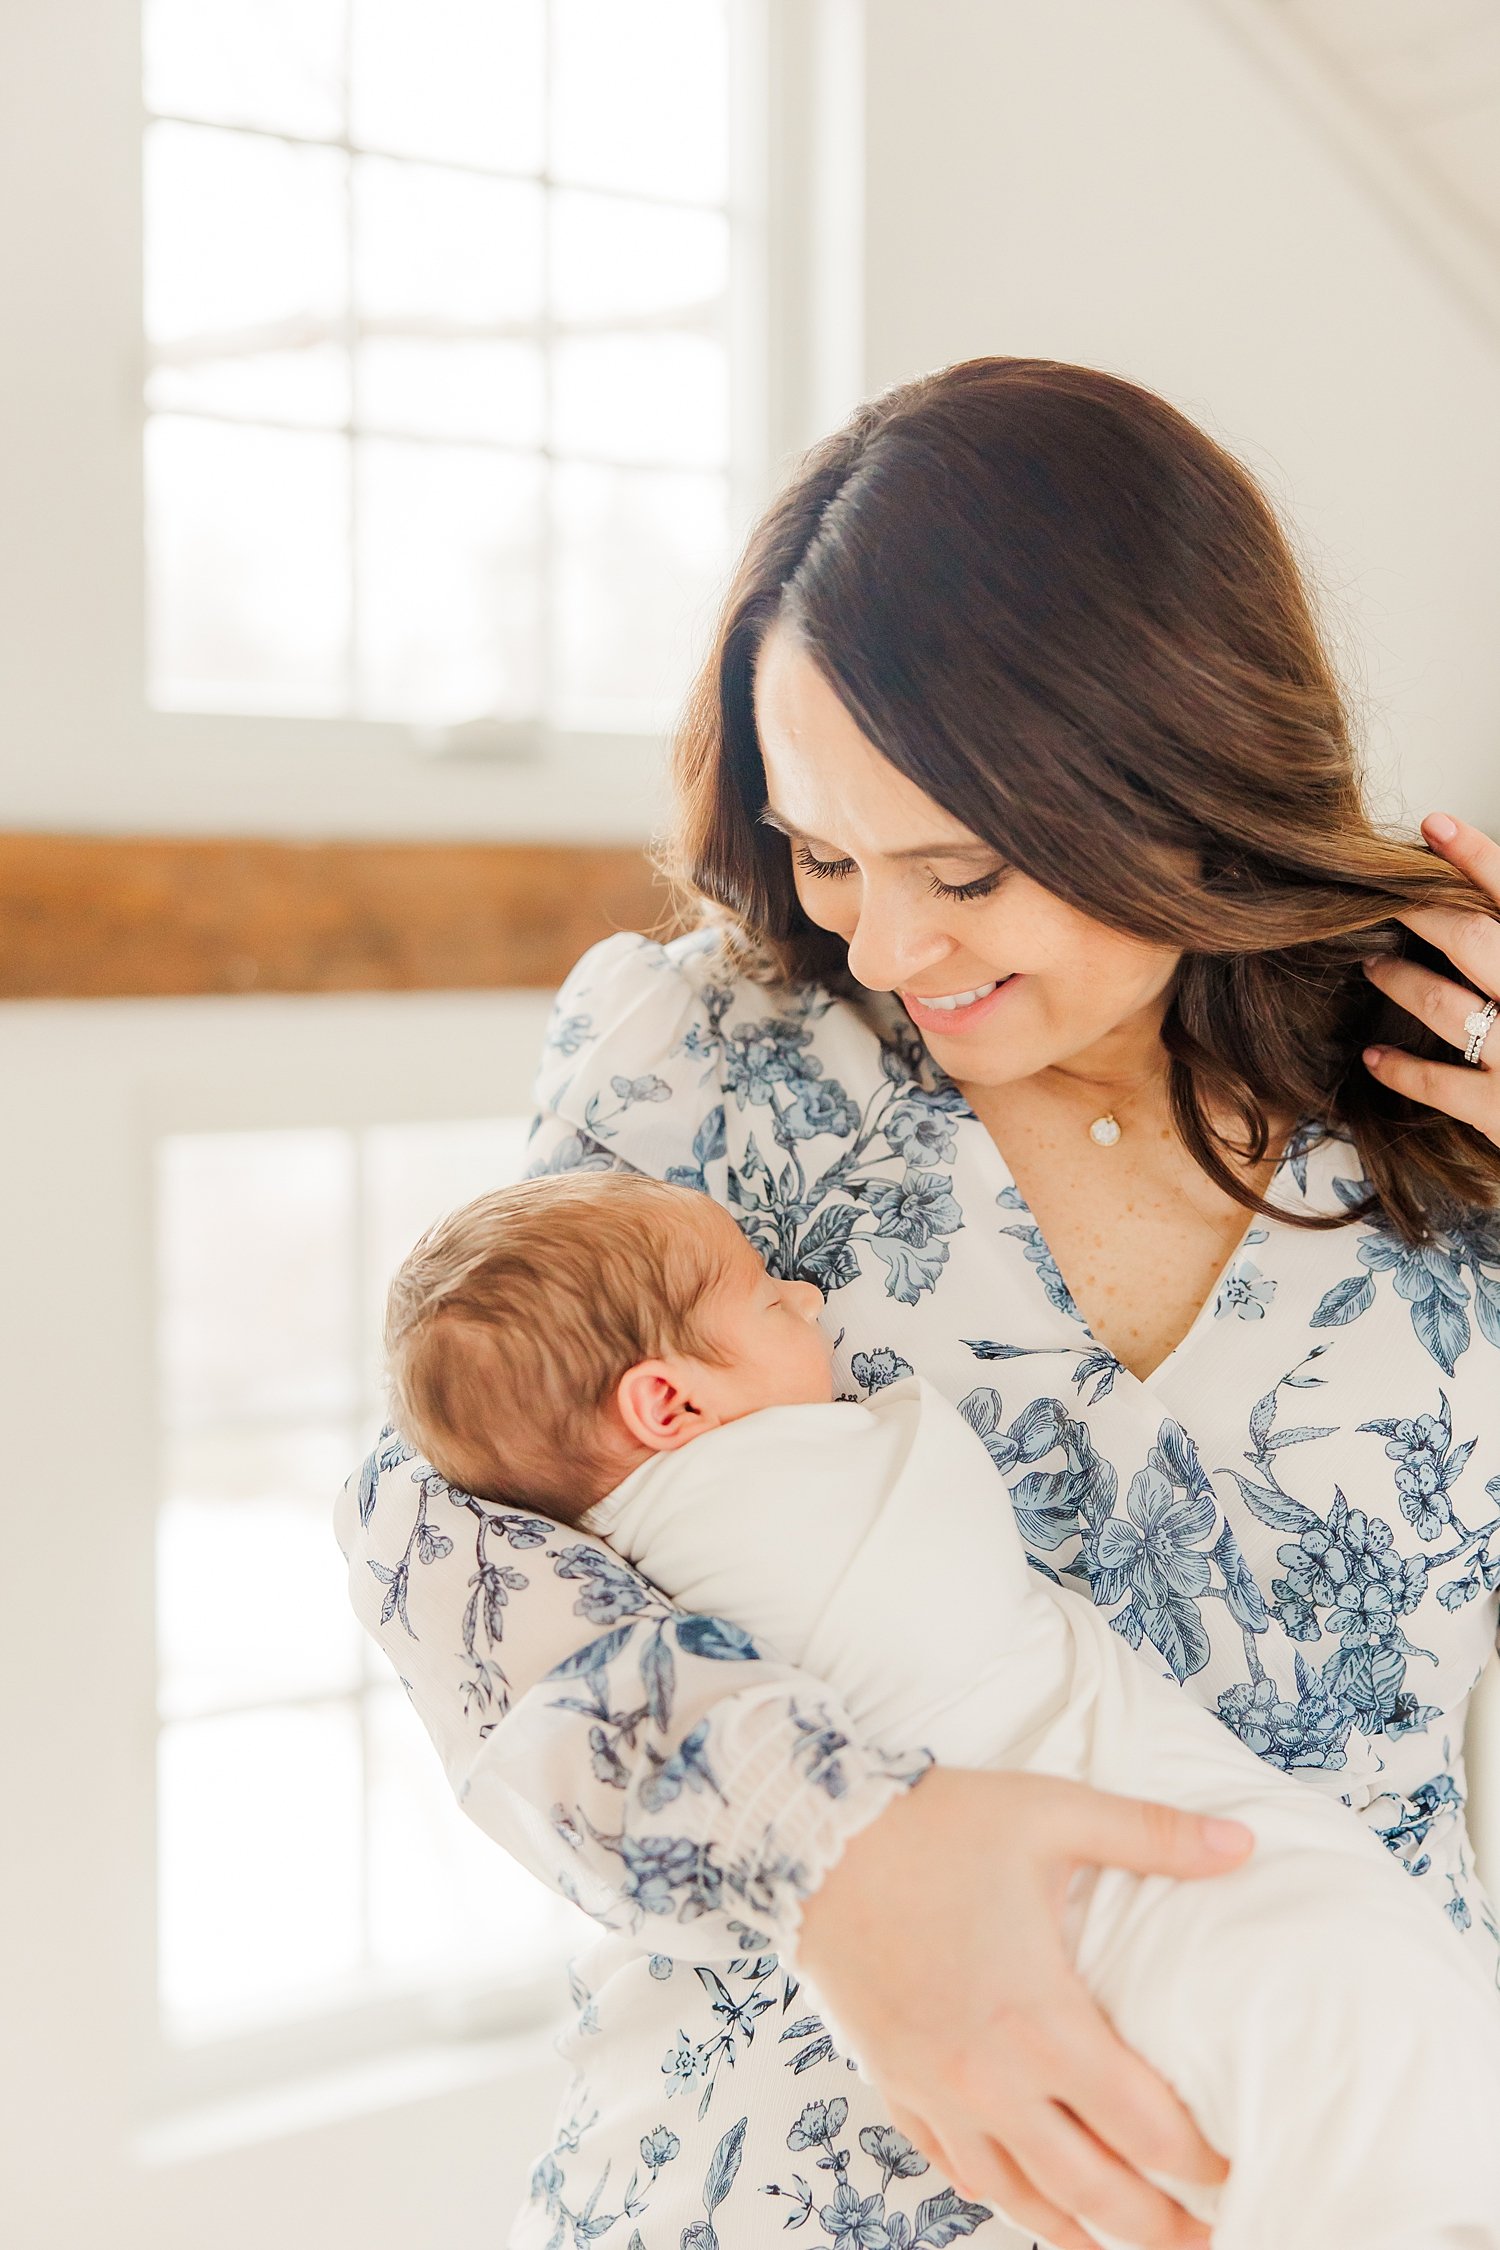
x=1477, y=1030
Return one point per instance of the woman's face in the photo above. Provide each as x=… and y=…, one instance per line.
x=930, y=911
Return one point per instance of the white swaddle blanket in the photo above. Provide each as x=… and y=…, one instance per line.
x=1324, y=2025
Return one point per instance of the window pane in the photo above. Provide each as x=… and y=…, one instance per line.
x=310, y=385
x=449, y=623
x=252, y=1602
x=415, y=1174
x=454, y=390
x=431, y=288
x=247, y=555
x=425, y=1855
x=274, y=63
x=454, y=79
x=642, y=398
x=244, y=239
x=639, y=561
x=256, y=1251
x=640, y=96
x=434, y=251
x=614, y=257
x=259, y=1876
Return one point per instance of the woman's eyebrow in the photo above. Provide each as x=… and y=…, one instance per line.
x=946, y=849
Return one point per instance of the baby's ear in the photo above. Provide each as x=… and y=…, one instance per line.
x=653, y=1402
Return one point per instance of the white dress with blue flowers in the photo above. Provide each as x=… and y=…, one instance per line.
x=1298, y=1522
x=1251, y=1994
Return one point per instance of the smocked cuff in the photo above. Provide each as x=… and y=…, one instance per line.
x=796, y=1806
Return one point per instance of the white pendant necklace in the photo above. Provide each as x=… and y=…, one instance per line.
x=1106, y=1130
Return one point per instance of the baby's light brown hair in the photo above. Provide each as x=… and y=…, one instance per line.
x=510, y=1323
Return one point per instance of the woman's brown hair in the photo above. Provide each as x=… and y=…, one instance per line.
x=1075, y=622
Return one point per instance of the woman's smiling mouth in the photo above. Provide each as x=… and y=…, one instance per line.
x=956, y=1011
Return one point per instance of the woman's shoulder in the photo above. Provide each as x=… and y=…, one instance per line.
x=629, y=969
x=640, y=1046
x=1434, y=1304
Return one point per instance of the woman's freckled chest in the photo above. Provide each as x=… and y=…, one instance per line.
x=1139, y=1235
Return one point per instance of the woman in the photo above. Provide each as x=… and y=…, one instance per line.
x=1042, y=935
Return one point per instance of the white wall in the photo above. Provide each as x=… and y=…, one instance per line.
x=1127, y=186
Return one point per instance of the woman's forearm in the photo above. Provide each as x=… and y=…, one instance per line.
x=644, y=1760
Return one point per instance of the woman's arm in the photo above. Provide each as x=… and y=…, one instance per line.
x=647, y=1762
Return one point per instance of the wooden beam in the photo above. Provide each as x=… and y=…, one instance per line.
x=110, y=917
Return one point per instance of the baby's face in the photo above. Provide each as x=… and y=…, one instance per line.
x=779, y=1353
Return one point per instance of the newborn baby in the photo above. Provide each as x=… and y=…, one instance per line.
x=611, y=1350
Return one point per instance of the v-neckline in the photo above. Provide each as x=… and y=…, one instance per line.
x=929, y=1075
x=1206, y=1310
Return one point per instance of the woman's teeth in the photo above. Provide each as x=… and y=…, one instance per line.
x=963, y=999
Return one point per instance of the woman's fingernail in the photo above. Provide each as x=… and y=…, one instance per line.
x=1369, y=960
x=1440, y=825
x=1226, y=1835
x=1374, y=1054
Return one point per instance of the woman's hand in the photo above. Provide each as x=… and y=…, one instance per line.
x=937, y=1940
x=1472, y=944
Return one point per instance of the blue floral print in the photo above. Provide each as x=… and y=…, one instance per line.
x=873, y=1370
x=1037, y=1254
x=855, y=2222
x=1245, y=1291
x=1296, y=1518
x=1431, y=1280
x=809, y=1227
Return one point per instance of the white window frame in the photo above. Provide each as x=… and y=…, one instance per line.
x=373, y=2011
x=80, y=1330
x=73, y=657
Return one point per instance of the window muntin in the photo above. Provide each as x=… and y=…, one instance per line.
x=439, y=370
x=310, y=1855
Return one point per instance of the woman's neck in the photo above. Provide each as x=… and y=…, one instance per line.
x=1124, y=1074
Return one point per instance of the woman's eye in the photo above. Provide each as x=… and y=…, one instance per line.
x=811, y=866
x=981, y=887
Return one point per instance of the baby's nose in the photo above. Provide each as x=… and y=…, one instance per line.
x=811, y=1298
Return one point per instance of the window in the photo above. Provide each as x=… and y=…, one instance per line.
x=439, y=366
x=305, y=1831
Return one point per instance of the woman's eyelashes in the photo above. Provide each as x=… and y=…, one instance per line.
x=981, y=886
x=835, y=869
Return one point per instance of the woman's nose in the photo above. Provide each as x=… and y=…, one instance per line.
x=889, y=949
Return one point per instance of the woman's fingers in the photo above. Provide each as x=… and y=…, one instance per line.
x=1470, y=936
x=1467, y=1094
x=1467, y=848
x=1434, y=1000
x=989, y=2175
x=1060, y=2154
x=1123, y=2101
x=1471, y=940
x=939, y=1939
x=982, y=2173
x=1097, y=1828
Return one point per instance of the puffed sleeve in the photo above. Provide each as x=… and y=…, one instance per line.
x=648, y=1762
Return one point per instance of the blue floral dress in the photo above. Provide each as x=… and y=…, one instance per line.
x=1296, y=1517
